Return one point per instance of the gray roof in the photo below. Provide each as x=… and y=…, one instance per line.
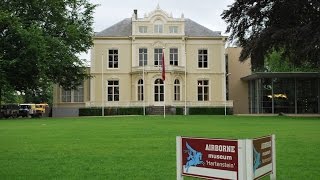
x=194, y=29
x=123, y=28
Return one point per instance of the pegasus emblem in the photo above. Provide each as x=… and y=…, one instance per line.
x=194, y=158
x=257, y=159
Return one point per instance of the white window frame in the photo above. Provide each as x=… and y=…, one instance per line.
x=203, y=60
x=158, y=28
x=143, y=56
x=177, y=90
x=174, y=56
x=202, y=95
x=112, y=88
x=78, y=94
x=113, y=59
x=73, y=95
x=143, y=29
x=158, y=86
x=173, y=29
x=157, y=61
x=140, y=90
x=66, y=95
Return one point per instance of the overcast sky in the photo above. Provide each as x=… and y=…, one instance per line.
x=204, y=12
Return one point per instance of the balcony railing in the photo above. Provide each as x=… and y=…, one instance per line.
x=149, y=68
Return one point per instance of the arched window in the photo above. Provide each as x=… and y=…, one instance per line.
x=177, y=90
x=158, y=90
x=140, y=90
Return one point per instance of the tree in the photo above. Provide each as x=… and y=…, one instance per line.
x=40, y=40
x=274, y=62
x=261, y=27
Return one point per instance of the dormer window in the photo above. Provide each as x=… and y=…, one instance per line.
x=158, y=28
x=143, y=29
x=173, y=29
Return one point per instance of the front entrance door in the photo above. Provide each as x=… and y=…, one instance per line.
x=158, y=92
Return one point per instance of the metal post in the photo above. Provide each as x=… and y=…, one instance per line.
x=143, y=88
x=102, y=86
x=273, y=175
x=178, y=158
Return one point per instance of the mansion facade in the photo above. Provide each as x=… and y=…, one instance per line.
x=126, y=65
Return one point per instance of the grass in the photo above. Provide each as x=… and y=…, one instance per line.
x=138, y=147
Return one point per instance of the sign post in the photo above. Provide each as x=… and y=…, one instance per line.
x=242, y=159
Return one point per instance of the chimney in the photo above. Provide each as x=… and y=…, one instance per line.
x=135, y=14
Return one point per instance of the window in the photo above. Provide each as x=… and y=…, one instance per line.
x=66, y=95
x=173, y=29
x=158, y=56
x=174, y=56
x=113, y=58
x=75, y=95
x=140, y=90
x=143, y=56
x=203, y=90
x=78, y=94
x=158, y=28
x=158, y=90
x=143, y=29
x=113, y=90
x=176, y=90
x=202, y=58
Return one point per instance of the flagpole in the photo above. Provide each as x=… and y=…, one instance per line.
x=102, y=86
x=164, y=99
x=143, y=89
x=185, y=81
x=164, y=83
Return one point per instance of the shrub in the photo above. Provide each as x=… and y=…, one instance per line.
x=110, y=111
x=209, y=111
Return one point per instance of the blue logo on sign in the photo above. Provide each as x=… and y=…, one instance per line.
x=194, y=158
x=256, y=160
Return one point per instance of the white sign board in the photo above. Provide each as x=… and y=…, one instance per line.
x=242, y=159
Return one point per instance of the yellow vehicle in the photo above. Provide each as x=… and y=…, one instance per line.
x=41, y=109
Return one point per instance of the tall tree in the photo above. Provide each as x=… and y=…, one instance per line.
x=261, y=27
x=40, y=40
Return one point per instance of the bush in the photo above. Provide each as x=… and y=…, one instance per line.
x=90, y=111
x=110, y=111
x=179, y=111
x=208, y=111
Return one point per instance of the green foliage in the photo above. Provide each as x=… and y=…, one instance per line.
x=208, y=111
x=289, y=25
x=275, y=62
x=143, y=147
x=179, y=111
x=90, y=112
x=40, y=41
x=110, y=111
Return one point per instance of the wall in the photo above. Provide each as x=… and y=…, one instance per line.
x=238, y=89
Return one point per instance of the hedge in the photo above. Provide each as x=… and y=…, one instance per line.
x=209, y=111
x=110, y=111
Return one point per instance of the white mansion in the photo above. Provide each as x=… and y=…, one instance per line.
x=126, y=66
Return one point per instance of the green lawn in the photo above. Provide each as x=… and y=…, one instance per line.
x=138, y=147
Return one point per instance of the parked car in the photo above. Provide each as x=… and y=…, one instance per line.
x=9, y=110
x=27, y=110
